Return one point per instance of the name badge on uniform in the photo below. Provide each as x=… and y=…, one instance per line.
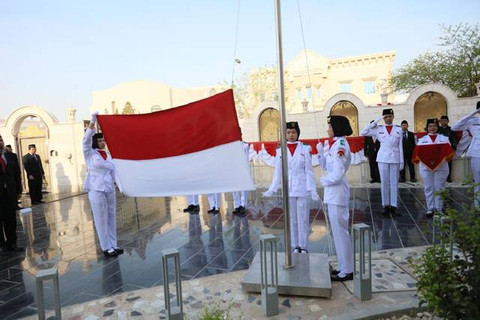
x=381, y=133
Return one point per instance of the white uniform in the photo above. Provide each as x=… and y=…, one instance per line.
x=389, y=158
x=240, y=197
x=337, y=197
x=434, y=181
x=193, y=199
x=472, y=124
x=101, y=192
x=214, y=200
x=301, y=187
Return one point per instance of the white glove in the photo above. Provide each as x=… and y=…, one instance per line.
x=315, y=196
x=401, y=166
x=93, y=119
x=268, y=193
x=378, y=119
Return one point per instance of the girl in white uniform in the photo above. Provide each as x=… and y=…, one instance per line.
x=433, y=180
x=337, y=194
x=100, y=188
x=301, y=186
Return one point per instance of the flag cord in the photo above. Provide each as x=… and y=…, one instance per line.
x=308, y=70
x=235, y=60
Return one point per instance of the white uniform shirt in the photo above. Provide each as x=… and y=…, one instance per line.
x=425, y=140
x=391, y=147
x=336, y=162
x=472, y=124
x=301, y=181
x=100, y=172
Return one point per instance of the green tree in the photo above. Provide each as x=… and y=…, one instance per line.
x=456, y=64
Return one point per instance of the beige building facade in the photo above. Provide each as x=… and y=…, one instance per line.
x=352, y=86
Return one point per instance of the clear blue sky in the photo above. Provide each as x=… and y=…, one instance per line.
x=56, y=53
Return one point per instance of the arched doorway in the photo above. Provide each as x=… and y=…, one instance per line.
x=429, y=105
x=33, y=130
x=347, y=109
x=268, y=125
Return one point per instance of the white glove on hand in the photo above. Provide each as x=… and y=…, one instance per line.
x=315, y=196
x=401, y=166
x=378, y=119
x=93, y=119
x=268, y=193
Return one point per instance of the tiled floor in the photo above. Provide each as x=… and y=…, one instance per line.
x=61, y=233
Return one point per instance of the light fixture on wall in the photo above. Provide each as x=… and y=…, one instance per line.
x=430, y=95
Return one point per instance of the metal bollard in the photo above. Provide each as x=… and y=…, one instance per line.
x=269, y=289
x=175, y=312
x=49, y=274
x=362, y=268
x=441, y=221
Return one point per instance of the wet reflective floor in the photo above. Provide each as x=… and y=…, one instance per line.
x=61, y=233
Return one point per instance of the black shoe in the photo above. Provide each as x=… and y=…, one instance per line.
x=430, y=213
x=394, y=211
x=242, y=209
x=196, y=208
x=386, y=210
x=189, y=208
x=304, y=251
x=236, y=211
x=297, y=250
x=413, y=180
x=213, y=211
x=401, y=180
x=118, y=250
x=334, y=272
x=109, y=254
x=449, y=179
x=348, y=276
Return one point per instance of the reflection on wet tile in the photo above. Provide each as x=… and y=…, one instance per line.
x=61, y=233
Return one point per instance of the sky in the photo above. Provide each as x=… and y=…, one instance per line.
x=54, y=54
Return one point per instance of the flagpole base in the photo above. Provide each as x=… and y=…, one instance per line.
x=310, y=276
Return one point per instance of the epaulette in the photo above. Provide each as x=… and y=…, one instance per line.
x=398, y=126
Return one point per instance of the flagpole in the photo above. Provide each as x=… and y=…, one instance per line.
x=283, y=134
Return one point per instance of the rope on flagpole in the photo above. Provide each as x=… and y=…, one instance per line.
x=235, y=60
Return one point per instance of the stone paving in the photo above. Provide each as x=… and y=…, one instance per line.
x=224, y=292
x=61, y=233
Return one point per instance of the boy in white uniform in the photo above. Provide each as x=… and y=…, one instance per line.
x=389, y=157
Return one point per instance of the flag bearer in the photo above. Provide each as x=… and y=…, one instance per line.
x=301, y=186
x=433, y=151
x=389, y=157
x=100, y=188
x=337, y=193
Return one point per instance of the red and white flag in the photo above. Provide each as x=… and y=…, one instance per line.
x=192, y=149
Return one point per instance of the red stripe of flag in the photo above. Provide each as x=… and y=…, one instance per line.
x=190, y=128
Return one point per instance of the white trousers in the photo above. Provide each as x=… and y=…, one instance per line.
x=193, y=199
x=389, y=177
x=104, y=207
x=339, y=216
x=239, y=199
x=434, y=181
x=299, y=221
x=475, y=164
x=214, y=200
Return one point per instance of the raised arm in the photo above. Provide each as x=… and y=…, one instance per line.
x=87, y=137
x=464, y=123
x=371, y=129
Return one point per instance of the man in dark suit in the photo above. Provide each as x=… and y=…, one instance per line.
x=370, y=150
x=8, y=149
x=33, y=166
x=10, y=190
x=446, y=130
x=408, y=141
